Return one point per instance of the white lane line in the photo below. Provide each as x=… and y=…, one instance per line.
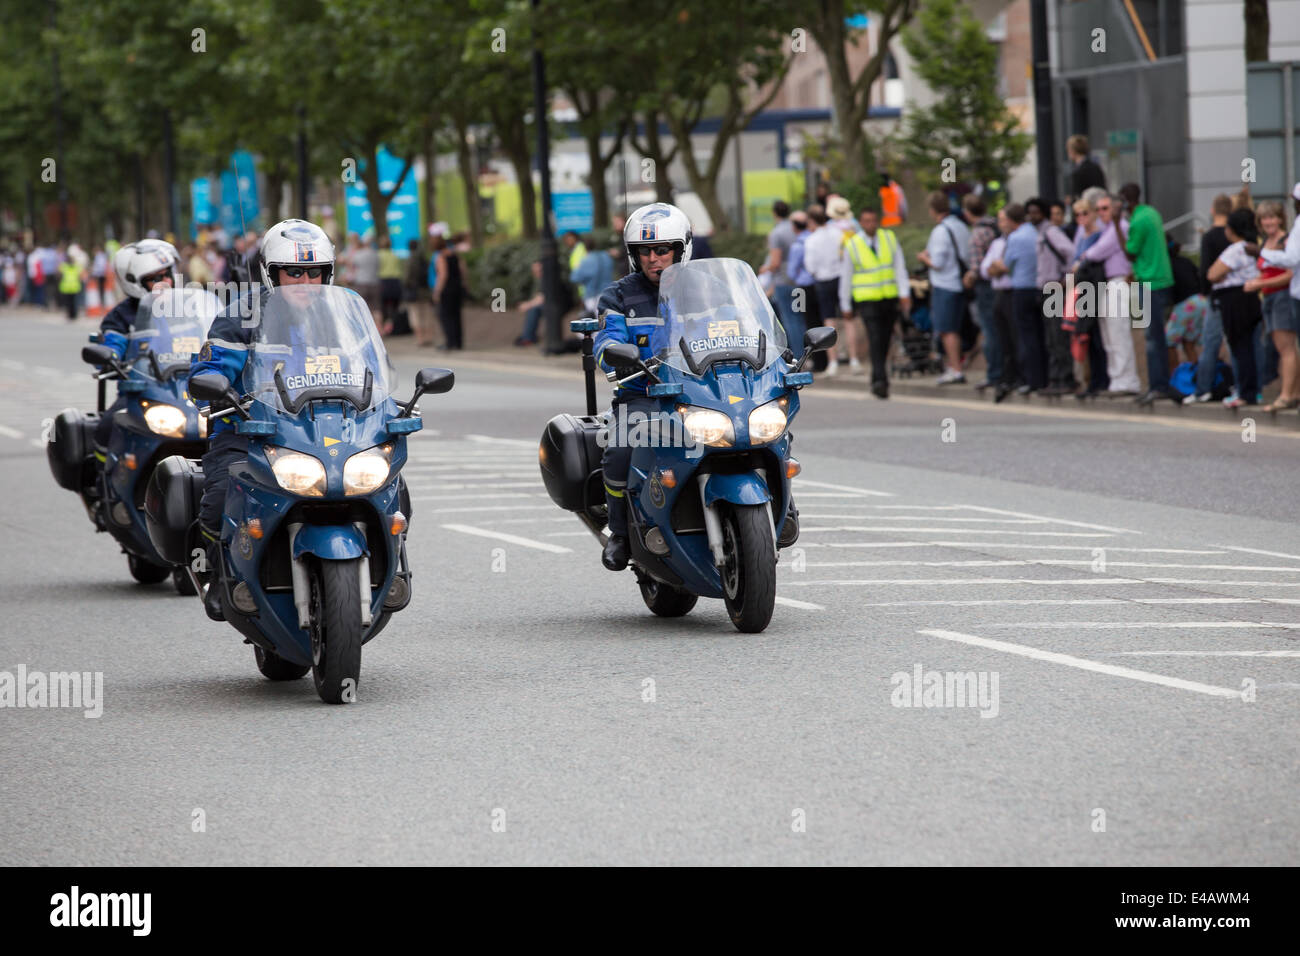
x=1252, y=584
x=1270, y=554
x=1209, y=653
x=895, y=530
x=999, y=544
x=489, y=484
x=1014, y=602
x=489, y=440
x=803, y=605
x=822, y=517
x=1150, y=625
x=10, y=432
x=515, y=475
x=1040, y=582
x=459, y=510
x=860, y=491
x=476, y=497
x=37, y=443
x=1045, y=562
x=1051, y=657
x=509, y=538
x=1073, y=524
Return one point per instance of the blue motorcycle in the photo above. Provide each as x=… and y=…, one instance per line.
x=157, y=420
x=313, y=539
x=708, y=489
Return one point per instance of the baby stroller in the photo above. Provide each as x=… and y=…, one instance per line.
x=915, y=353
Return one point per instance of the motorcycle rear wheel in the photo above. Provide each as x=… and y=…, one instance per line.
x=664, y=600
x=275, y=667
x=146, y=572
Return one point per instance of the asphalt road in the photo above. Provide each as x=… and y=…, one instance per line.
x=1125, y=592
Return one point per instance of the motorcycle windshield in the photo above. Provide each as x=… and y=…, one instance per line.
x=171, y=327
x=311, y=342
x=715, y=311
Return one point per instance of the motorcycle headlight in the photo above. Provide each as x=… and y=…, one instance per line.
x=167, y=420
x=706, y=426
x=296, y=472
x=767, y=422
x=367, y=470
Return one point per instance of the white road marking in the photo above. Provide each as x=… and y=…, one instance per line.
x=822, y=517
x=421, y=476
x=476, y=497
x=509, y=538
x=1017, y=602
x=888, y=530
x=1270, y=554
x=804, y=605
x=490, y=484
x=517, y=442
x=1045, y=562
x=1145, y=625
x=10, y=432
x=1252, y=584
x=459, y=510
x=1209, y=653
x=1040, y=582
x=999, y=544
x=800, y=482
x=37, y=443
x=1051, y=657
x=1073, y=524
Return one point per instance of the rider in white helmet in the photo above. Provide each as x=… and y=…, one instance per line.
x=656, y=236
x=149, y=265
x=293, y=252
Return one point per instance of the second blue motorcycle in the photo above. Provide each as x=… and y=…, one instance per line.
x=708, y=489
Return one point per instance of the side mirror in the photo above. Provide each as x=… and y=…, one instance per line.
x=433, y=381
x=622, y=353
x=210, y=387
x=97, y=354
x=820, y=339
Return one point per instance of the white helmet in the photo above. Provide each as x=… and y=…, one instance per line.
x=136, y=260
x=654, y=225
x=295, y=242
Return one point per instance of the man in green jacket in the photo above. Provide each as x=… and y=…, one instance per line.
x=1149, y=253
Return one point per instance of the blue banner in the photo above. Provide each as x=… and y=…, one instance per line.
x=200, y=204
x=573, y=211
x=239, y=205
x=403, y=208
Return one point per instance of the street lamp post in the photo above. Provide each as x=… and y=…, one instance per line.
x=550, y=264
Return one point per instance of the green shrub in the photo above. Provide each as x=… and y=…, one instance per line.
x=740, y=245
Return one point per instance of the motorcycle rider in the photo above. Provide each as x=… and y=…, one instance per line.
x=292, y=252
x=143, y=267
x=655, y=237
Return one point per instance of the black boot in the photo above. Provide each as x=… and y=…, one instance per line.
x=790, y=530
x=212, y=596
x=615, y=554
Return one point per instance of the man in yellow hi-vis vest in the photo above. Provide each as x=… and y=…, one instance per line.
x=874, y=280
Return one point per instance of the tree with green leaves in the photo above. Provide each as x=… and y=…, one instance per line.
x=968, y=132
x=828, y=23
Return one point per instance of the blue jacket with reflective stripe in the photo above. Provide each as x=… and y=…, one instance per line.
x=226, y=351
x=629, y=309
x=116, y=327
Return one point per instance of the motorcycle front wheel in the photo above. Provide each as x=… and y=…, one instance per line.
x=336, y=630
x=749, y=569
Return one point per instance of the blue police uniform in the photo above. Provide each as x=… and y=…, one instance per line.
x=225, y=352
x=115, y=332
x=630, y=311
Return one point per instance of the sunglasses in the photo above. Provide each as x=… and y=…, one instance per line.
x=151, y=280
x=297, y=272
x=663, y=250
